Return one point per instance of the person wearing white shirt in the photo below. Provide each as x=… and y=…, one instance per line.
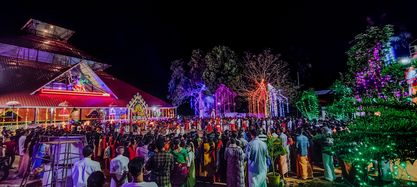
x=284, y=158
x=136, y=168
x=118, y=168
x=289, y=125
x=83, y=168
x=257, y=155
x=21, y=145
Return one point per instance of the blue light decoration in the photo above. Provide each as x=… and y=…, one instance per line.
x=390, y=56
x=200, y=101
x=278, y=103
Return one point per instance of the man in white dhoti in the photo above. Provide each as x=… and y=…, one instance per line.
x=284, y=159
x=119, y=168
x=327, y=155
x=257, y=154
x=83, y=168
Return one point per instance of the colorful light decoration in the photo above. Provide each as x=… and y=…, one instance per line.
x=279, y=105
x=77, y=93
x=370, y=81
x=258, y=101
x=200, y=102
x=308, y=105
x=225, y=100
x=385, y=133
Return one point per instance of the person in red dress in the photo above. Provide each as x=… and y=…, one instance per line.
x=11, y=147
x=218, y=126
x=233, y=125
x=209, y=127
x=244, y=125
x=132, y=149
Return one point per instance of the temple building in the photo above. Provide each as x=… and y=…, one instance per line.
x=46, y=80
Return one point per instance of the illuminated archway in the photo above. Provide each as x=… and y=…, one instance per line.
x=138, y=108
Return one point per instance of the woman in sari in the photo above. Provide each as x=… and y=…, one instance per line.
x=191, y=180
x=179, y=176
x=207, y=168
x=24, y=166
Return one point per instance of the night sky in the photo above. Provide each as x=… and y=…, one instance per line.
x=141, y=39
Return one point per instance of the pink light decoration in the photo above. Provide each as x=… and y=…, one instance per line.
x=69, y=92
x=224, y=100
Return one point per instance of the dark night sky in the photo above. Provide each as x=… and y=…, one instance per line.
x=140, y=40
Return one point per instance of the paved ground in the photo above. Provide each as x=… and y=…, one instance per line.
x=318, y=179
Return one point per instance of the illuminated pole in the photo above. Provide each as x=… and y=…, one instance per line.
x=26, y=118
x=17, y=118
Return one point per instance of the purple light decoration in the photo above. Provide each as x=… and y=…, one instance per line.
x=370, y=81
x=225, y=99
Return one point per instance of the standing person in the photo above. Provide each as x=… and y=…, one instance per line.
x=180, y=173
x=242, y=140
x=257, y=154
x=106, y=156
x=118, y=168
x=142, y=150
x=284, y=159
x=136, y=167
x=235, y=165
x=132, y=149
x=84, y=168
x=21, y=144
x=10, y=150
x=96, y=179
x=207, y=168
x=161, y=165
x=327, y=155
x=304, y=170
x=290, y=125
x=25, y=158
x=191, y=180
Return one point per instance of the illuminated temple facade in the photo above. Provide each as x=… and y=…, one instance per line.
x=45, y=80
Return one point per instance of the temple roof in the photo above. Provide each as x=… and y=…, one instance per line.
x=17, y=82
x=29, y=62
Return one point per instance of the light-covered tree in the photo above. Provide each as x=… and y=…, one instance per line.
x=266, y=66
x=308, y=105
x=222, y=67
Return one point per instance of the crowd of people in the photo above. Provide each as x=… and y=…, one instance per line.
x=180, y=152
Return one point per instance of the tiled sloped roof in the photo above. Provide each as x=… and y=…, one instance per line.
x=126, y=91
x=43, y=100
x=18, y=75
x=17, y=82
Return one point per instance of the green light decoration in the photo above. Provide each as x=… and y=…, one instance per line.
x=342, y=108
x=308, y=105
x=384, y=133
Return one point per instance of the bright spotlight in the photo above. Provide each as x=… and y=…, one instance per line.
x=405, y=60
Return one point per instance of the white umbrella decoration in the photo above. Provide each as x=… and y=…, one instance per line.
x=13, y=103
x=63, y=104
